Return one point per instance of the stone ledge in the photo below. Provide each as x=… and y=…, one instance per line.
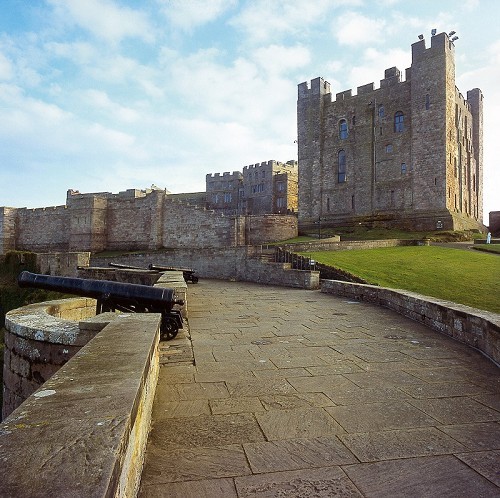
x=477, y=328
x=83, y=433
x=52, y=321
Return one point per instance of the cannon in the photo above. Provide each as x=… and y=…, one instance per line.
x=187, y=273
x=115, y=296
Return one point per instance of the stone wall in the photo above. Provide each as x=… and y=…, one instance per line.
x=238, y=263
x=348, y=245
x=39, y=339
x=84, y=432
x=62, y=263
x=133, y=221
x=43, y=229
x=7, y=229
x=477, y=328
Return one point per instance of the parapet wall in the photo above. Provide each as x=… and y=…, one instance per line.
x=39, y=339
x=476, y=328
x=84, y=432
x=231, y=263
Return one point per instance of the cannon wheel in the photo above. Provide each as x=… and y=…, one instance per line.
x=169, y=329
x=194, y=280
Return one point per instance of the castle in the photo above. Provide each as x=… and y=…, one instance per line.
x=408, y=154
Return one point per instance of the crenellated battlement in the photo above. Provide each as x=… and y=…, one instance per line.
x=43, y=210
x=235, y=175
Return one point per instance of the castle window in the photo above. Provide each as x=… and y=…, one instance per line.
x=399, y=122
x=227, y=197
x=343, y=131
x=216, y=199
x=427, y=102
x=388, y=148
x=328, y=204
x=280, y=202
x=341, y=167
x=353, y=120
x=393, y=197
x=381, y=111
x=281, y=186
x=353, y=205
x=403, y=168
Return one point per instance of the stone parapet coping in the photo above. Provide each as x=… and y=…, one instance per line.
x=477, y=328
x=56, y=322
x=175, y=280
x=83, y=433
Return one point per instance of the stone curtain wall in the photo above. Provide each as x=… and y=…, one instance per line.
x=128, y=221
x=198, y=227
x=7, y=229
x=43, y=229
x=134, y=223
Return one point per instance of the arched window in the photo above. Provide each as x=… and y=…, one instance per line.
x=427, y=102
x=343, y=130
x=381, y=111
x=341, y=167
x=399, y=121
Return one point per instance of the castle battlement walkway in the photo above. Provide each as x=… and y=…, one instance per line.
x=297, y=393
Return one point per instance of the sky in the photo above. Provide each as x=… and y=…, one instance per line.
x=110, y=95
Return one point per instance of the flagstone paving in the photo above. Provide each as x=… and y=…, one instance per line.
x=294, y=393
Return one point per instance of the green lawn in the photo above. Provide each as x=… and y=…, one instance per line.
x=466, y=277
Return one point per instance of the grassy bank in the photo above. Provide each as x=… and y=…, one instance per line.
x=467, y=277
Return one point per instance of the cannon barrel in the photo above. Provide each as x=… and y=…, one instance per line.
x=188, y=273
x=112, y=296
x=99, y=289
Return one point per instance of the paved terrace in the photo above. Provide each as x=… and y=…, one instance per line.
x=296, y=393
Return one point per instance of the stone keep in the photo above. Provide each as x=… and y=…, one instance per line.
x=407, y=154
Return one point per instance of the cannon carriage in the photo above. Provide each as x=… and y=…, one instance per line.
x=116, y=296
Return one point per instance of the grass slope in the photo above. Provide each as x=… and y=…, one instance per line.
x=467, y=277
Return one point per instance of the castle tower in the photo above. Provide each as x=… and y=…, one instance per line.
x=407, y=154
x=310, y=116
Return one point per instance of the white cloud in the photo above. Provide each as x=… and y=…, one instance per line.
x=6, y=72
x=263, y=21
x=278, y=59
x=100, y=101
x=188, y=14
x=104, y=19
x=356, y=29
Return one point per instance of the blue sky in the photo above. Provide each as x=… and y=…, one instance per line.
x=107, y=95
